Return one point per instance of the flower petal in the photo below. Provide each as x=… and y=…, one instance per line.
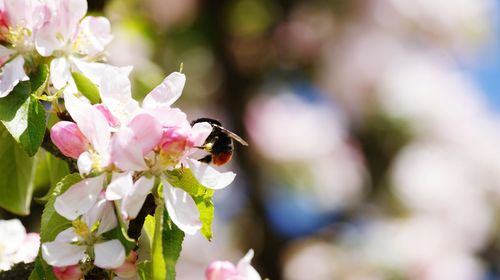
x=109, y=254
x=170, y=117
x=200, y=132
x=96, y=34
x=221, y=270
x=167, y=92
x=181, y=208
x=245, y=269
x=84, y=163
x=108, y=219
x=60, y=72
x=132, y=203
x=79, y=198
x=58, y=253
x=12, y=74
x=29, y=250
x=95, y=212
x=120, y=186
x=12, y=235
x=68, y=235
x=116, y=93
x=101, y=73
x=45, y=41
x=208, y=176
x=147, y=131
x=5, y=53
x=17, y=12
x=92, y=124
x=126, y=152
x=58, y=31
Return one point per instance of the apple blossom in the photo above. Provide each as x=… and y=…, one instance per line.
x=75, y=43
x=84, y=240
x=94, y=126
x=15, y=244
x=224, y=270
x=156, y=139
x=20, y=20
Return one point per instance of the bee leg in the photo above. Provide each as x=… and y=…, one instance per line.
x=206, y=159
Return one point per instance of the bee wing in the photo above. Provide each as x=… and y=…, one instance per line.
x=232, y=135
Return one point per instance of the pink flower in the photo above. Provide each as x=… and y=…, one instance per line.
x=174, y=144
x=72, y=272
x=69, y=139
x=224, y=270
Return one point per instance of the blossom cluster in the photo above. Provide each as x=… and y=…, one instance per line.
x=124, y=150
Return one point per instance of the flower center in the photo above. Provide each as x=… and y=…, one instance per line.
x=81, y=229
x=20, y=39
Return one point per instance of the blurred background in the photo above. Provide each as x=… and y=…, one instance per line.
x=373, y=125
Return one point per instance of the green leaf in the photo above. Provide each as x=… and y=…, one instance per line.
x=167, y=245
x=38, y=272
x=172, y=238
x=86, y=87
x=53, y=223
x=144, y=270
x=184, y=179
x=207, y=209
x=10, y=104
x=16, y=184
x=39, y=79
x=42, y=270
x=145, y=248
x=24, y=117
x=50, y=170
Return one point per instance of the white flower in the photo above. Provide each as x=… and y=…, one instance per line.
x=76, y=45
x=22, y=19
x=84, y=240
x=16, y=245
x=157, y=125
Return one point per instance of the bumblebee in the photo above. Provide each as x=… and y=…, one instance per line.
x=219, y=144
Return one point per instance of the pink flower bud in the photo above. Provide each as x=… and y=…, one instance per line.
x=112, y=120
x=68, y=138
x=72, y=272
x=128, y=269
x=221, y=270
